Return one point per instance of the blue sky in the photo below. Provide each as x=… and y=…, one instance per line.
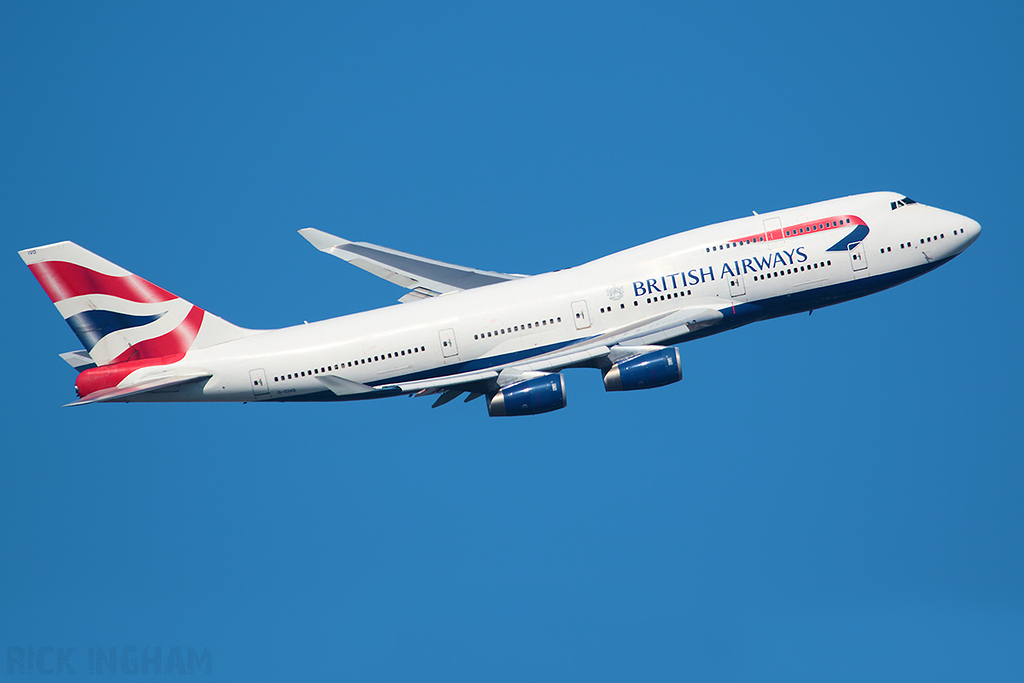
x=835, y=496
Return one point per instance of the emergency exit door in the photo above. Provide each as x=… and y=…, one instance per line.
x=736, y=287
x=258, y=381
x=580, y=315
x=448, y=347
x=857, y=259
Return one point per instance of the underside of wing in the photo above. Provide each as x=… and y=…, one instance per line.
x=423, y=276
x=598, y=351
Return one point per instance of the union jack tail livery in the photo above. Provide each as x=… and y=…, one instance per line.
x=118, y=316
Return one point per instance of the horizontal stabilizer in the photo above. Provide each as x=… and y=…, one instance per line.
x=79, y=360
x=425, y=277
x=121, y=393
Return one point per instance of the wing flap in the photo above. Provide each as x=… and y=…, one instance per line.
x=344, y=387
x=430, y=386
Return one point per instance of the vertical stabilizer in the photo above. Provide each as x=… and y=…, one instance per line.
x=117, y=315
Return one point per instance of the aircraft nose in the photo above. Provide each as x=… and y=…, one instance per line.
x=972, y=229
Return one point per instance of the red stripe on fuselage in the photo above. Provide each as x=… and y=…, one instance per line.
x=63, y=280
x=810, y=227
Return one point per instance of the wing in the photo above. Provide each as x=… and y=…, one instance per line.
x=425, y=277
x=602, y=350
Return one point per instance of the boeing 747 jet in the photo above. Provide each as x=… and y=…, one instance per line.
x=504, y=337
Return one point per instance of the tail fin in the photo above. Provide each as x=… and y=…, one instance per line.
x=117, y=315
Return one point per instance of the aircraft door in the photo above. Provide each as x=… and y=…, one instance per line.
x=448, y=347
x=580, y=315
x=258, y=382
x=736, y=287
x=857, y=259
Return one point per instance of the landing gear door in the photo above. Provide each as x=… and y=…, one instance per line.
x=448, y=347
x=258, y=382
x=580, y=315
x=857, y=258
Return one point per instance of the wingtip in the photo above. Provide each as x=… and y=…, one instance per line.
x=320, y=239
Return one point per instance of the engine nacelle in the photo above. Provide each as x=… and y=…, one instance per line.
x=654, y=369
x=529, y=397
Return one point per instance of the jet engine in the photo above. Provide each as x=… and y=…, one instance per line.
x=646, y=371
x=529, y=397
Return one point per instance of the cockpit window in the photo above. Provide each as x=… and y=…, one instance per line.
x=906, y=201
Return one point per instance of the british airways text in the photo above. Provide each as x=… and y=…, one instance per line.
x=696, y=276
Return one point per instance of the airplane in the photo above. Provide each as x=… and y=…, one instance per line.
x=501, y=336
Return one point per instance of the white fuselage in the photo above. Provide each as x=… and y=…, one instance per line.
x=749, y=269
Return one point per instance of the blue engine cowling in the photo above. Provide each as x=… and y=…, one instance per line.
x=654, y=369
x=529, y=397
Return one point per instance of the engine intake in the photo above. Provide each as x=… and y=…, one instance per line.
x=529, y=397
x=654, y=369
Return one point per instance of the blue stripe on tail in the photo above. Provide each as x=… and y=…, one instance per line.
x=91, y=326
